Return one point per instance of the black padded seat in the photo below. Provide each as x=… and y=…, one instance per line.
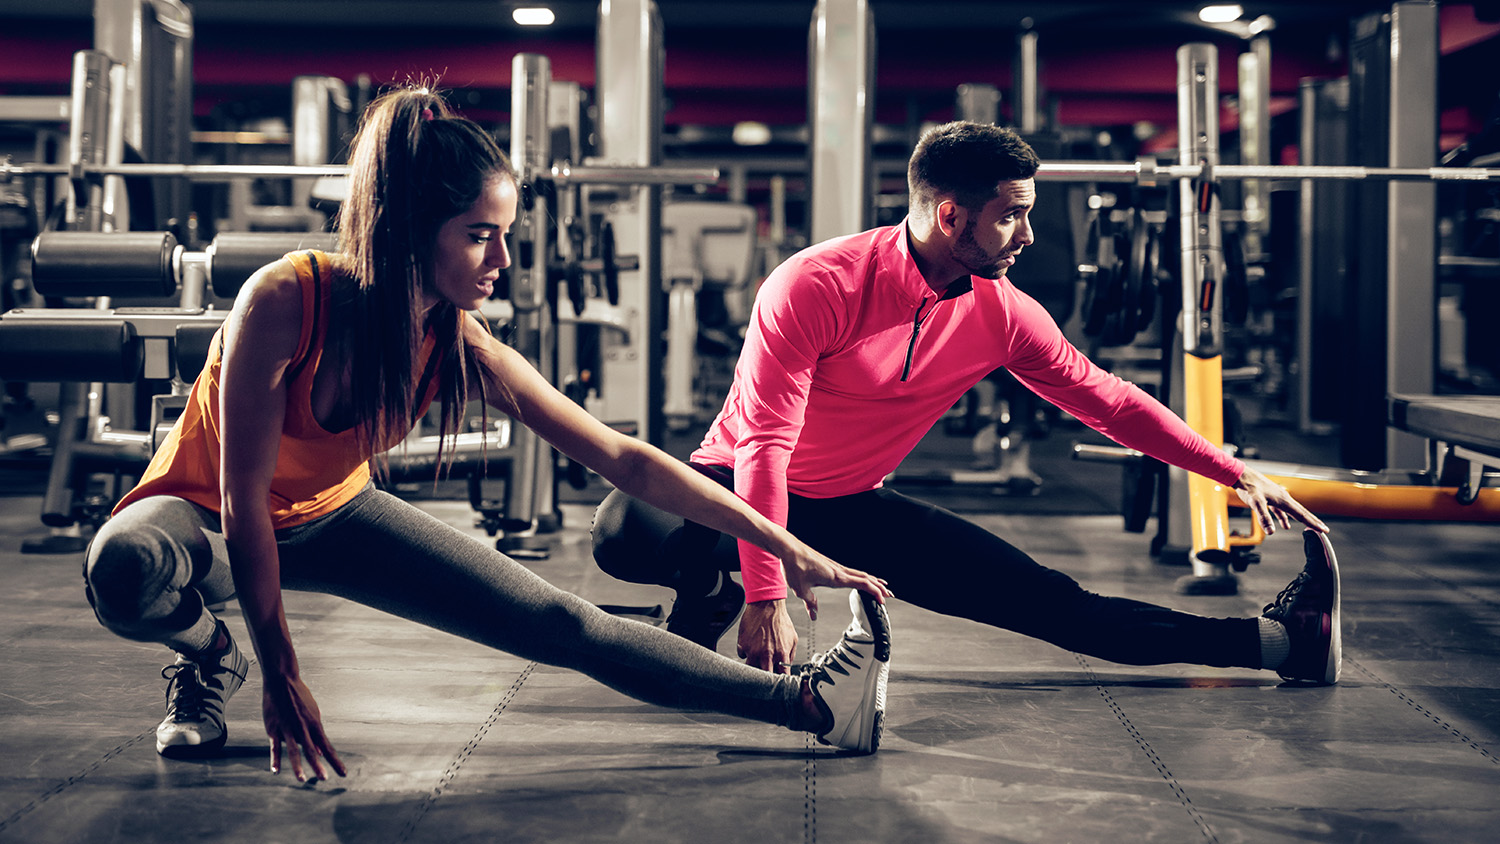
x=46, y=350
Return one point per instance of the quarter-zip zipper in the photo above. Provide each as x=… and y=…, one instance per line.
x=911, y=345
x=954, y=290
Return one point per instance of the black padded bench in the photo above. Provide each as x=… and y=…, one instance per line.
x=1468, y=425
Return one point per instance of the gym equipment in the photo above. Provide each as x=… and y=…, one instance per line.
x=1202, y=272
x=142, y=52
x=127, y=264
x=126, y=344
x=1392, y=286
x=120, y=345
x=1463, y=428
x=1148, y=171
x=630, y=60
x=1122, y=283
x=322, y=120
x=1214, y=546
x=705, y=245
x=545, y=261
x=530, y=491
x=141, y=68
x=1468, y=429
x=144, y=341
x=561, y=173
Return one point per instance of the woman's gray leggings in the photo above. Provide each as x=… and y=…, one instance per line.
x=152, y=568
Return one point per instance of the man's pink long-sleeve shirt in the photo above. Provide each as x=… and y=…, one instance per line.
x=850, y=358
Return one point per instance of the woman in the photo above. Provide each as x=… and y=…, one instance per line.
x=326, y=361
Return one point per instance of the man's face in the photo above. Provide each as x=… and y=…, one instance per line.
x=991, y=239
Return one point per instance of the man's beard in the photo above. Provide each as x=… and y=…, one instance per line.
x=971, y=257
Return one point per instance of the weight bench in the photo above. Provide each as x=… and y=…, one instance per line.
x=78, y=346
x=1466, y=430
x=75, y=347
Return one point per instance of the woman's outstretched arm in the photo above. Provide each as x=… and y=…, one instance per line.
x=645, y=472
x=260, y=338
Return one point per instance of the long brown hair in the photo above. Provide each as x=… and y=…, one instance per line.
x=414, y=165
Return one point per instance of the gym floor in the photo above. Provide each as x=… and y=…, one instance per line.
x=989, y=736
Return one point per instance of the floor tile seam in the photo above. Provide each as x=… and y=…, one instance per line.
x=1448, y=584
x=68, y=782
x=1434, y=718
x=451, y=772
x=810, y=765
x=1152, y=756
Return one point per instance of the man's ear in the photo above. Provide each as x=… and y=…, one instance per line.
x=951, y=218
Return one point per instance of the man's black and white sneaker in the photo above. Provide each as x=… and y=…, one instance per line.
x=704, y=619
x=848, y=680
x=1309, y=608
x=196, y=694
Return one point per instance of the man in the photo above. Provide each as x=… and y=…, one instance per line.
x=856, y=347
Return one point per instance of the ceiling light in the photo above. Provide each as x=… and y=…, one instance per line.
x=750, y=133
x=1220, y=14
x=533, y=16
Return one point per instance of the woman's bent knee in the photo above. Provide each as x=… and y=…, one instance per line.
x=126, y=572
x=138, y=568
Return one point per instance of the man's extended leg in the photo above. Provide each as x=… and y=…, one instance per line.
x=937, y=560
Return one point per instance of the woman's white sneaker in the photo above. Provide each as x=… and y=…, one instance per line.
x=848, y=680
x=196, y=694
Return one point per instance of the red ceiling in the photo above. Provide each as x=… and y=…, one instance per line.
x=758, y=76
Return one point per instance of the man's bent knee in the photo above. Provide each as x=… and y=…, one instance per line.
x=626, y=544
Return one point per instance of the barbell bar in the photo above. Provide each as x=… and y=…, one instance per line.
x=1148, y=172
x=562, y=174
x=1142, y=171
x=200, y=172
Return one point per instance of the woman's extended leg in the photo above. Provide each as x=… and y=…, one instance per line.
x=154, y=566
x=382, y=552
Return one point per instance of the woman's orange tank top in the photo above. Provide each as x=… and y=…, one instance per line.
x=317, y=471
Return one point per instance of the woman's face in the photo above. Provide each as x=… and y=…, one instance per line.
x=470, y=250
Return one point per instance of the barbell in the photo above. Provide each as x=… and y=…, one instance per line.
x=1146, y=171
x=561, y=174
x=1143, y=171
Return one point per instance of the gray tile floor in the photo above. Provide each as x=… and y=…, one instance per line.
x=990, y=736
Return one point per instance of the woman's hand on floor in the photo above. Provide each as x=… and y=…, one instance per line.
x=292, y=720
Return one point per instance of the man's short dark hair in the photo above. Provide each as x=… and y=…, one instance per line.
x=967, y=161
